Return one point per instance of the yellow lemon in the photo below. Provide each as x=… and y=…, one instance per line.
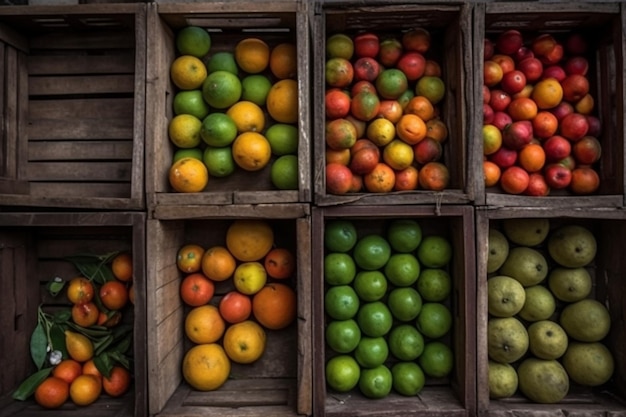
x=79, y=347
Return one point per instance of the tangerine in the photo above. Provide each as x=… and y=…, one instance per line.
x=196, y=289
x=68, y=370
x=249, y=239
x=204, y=324
x=244, y=342
x=434, y=176
x=251, y=151
x=545, y=124
x=235, y=307
x=411, y=128
x=420, y=106
x=85, y=314
x=381, y=179
x=189, y=258
x=491, y=173
x=52, y=392
x=114, y=295
x=437, y=129
x=532, y=157
x=89, y=368
x=514, y=180
x=206, y=367
x=282, y=101
x=252, y=55
x=248, y=116
x=218, y=264
x=522, y=108
x=280, y=263
x=284, y=61
x=188, y=175
x=274, y=306
x=547, y=93
x=122, y=267
x=85, y=389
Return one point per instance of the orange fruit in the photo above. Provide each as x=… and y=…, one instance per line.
x=206, y=367
x=251, y=151
x=545, y=124
x=411, y=128
x=381, y=131
x=244, y=342
x=184, y=131
x=381, y=179
x=188, y=175
x=89, y=368
x=437, y=129
x=339, y=156
x=196, y=289
x=67, y=370
x=118, y=381
x=252, y=55
x=391, y=110
x=52, y=392
x=434, y=176
x=547, y=93
x=80, y=290
x=274, y=306
x=491, y=173
x=218, y=264
x=188, y=72
x=249, y=239
x=406, y=179
x=85, y=314
x=514, y=180
x=336, y=103
x=204, y=324
x=284, y=61
x=235, y=307
x=113, y=295
x=85, y=389
x=248, y=117
x=280, y=263
x=282, y=101
x=189, y=258
x=122, y=267
x=420, y=106
x=532, y=157
x=522, y=108
x=79, y=347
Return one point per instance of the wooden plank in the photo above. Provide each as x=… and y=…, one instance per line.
x=88, y=40
x=77, y=171
x=76, y=151
x=112, y=63
x=72, y=193
x=67, y=85
x=239, y=397
x=68, y=109
x=83, y=128
x=214, y=210
x=304, y=404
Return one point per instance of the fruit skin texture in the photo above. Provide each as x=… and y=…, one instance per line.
x=244, y=342
x=206, y=367
x=543, y=381
x=506, y=296
x=507, y=339
x=196, y=290
x=204, y=324
x=275, y=306
x=117, y=383
x=586, y=320
x=80, y=290
x=78, y=346
x=572, y=246
x=249, y=239
x=188, y=175
x=589, y=364
x=502, y=380
x=52, y=393
x=85, y=389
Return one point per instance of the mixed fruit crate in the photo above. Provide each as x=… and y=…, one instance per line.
x=73, y=106
x=74, y=325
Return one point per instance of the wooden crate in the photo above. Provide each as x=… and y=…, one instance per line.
x=451, y=396
x=608, y=226
x=605, y=25
x=278, y=384
x=228, y=22
x=31, y=248
x=450, y=28
x=73, y=102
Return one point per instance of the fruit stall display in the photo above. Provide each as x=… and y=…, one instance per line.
x=74, y=325
x=230, y=121
x=393, y=311
x=552, y=124
x=73, y=106
x=246, y=309
x=391, y=104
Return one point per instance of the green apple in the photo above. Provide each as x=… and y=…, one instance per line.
x=589, y=364
x=526, y=265
x=502, y=380
x=543, y=381
x=572, y=246
x=547, y=340
x=526, y=232
x=570, y=284
x=507, y=339
x=505, y=296
x=498, y=250
x=539, y=305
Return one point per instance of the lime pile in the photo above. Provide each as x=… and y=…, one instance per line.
x=234, y=110
x=387, y=308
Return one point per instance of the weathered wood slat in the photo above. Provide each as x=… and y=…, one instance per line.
x=113, y=63
x=239, y=397
x=77, y=171
x=76, y=151
x=112, y=39
x=68, y=193
x=102, y=108
x=68, y=85
x=80, y=128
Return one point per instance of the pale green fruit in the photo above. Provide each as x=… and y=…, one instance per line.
x=498, y=250
x=502, y=380
x=586, y=320
x=543, y=381
x=547, y=340
x=572, y=246
x=539, y=305
x=526, y=265
x=507, y=339
x=526, y=232
x=505, y=296
x=589, y=364
x=570, y=284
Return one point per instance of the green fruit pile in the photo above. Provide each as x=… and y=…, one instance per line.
x=544, y=329
x=386, y=303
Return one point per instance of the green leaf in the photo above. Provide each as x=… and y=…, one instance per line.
x=38, y=345
x=121, y=359
x=55, y=286
x=62, y=316
x=104, y=364
x=94, y=267
x=30, y=384
x=124, y=344
x=92, y=332
x=57, y=338
x=102, y=344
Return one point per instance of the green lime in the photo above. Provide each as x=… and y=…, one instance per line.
x=408, y=378
x=218, y=129
x=342, y=373
x=434, y=284
x=406, y=343
x=222, y=61
x=191, y=102
x=402, y=269
x=341, y=302
x=283, y=139
x=437, y=359
x=375, y=382
x=374, y=319
x=434, y=251
x=404, y=235
x=434, y=320
x=405, y=303
x=221, y=89
x=370, y=285
x=343, y=336
x=371, y=351
x=339, y=235
x=372, y=252
x=187, y=153
x=219, y=161
x=431, y=87
x=193, y=40
x=255, y=87
x=339, y=268
x=284, y=172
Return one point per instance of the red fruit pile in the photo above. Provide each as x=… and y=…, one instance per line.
x=536, y=92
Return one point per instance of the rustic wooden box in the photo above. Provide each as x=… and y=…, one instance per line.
x=279, y=384
x=72, y=103
x=609, y=228
x=451, y=396
x=30, y=247
x=450, y=28
x=229, y=22
x=605, y=25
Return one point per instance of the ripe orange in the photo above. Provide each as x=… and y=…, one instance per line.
x=206, y=367
x=189, y=258
x=249, y=239
x=420, y=106
x=491, y=173
x=280, y=263
x=522, y=108
x=251, y=151
x=282, y=101
x=80, y=290
x=407, y=179
x=252, y=55
x=85, y=389
x=547, y=93
x=85, y=314
x=514, y=180
x=336, y=103
x=437, y=129
x=113, y=295
x=434, y=176
x=204, y=324
x=248, y=116
x=188, y=72
x=284, y=61
x=188, y=175
x=89, y=368
x=52, y=392
x=411, y=128
x=545, y=124
x=218, y=264
x=381, y=179
x=274, y=306
x=532, y=157
x=118, y=381
x=244, y=342
x=339, y=156
x=235, y=307
x=196, y=289
x=398, y=154
x=67, y=370
x=122, y=267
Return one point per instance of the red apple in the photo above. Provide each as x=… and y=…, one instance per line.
x=338, y=178
x=513, y=82
x=522, y=53
x=509, y=42
x=543, y=44
x=575, y=87
x=412, y=64
x=576, y=65
x=557, y=176
x=366, y=45
x=492, y=73
x=364, y=160
x=574, y=126
x=504, y=157
x=488, y=114
x=518, y=134
x=554, y=71
x=531, y=67
x=556, y=148
x=390, y=52
x=488, y=49
x=427, y=150
x=537, y=185
x=595, y=126
x=561, y=110
x=576, y=44
x=505, y=61
x=585, y=180
x=501, y=119
x=499, y=100
x=367, y=69
x=587, y=150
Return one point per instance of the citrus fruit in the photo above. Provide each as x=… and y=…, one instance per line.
x=222, y=61
x=282, y=101
x=196, y=289
x=193, y=40
x=374, y=319
x=252, y=55
x=206, y=367
x=284, y=172
x=187, y=153
x=79, y=347
x=375, y=382
x=204, y=324
x=343, y=336
x=405, y=303
x=398, y=154
x=341, y=302
x=251, y=151
x=339, y=268
x=431, y=87
x=372, y=252
x=434, y=284
x=221, y=89
x=218, y=264
x=248, y=117
x=249, y=277
x=381, y=131
x=408, y=378
x=218, y=129
x=434, y=251
x=67, y=370
x=244, y=342
x=85, y=389
x=219, y=161
x=434, y=320
x=89, y=368
x=391, y=83
x=339, y=235
x=184, y=131
x=249, y=239
x=52, y=392
x=406, y=343
x=188, y=175
x=117, y=383
x=284, y=61
x=235, y=307
x=113, y=295
x=122, y=267
x=402, y=269
x=339, y=45
x=188, y=72
x=404, y=235
x=437, y=359
x=255, y=88
x=342, y=373
x=371, y=351
x=547, y=93
x=370, y=285
x=190, y=102
x=85, y=314
x=280, y=263
x=80, y=290
x=275, y=306
x=283, y=139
